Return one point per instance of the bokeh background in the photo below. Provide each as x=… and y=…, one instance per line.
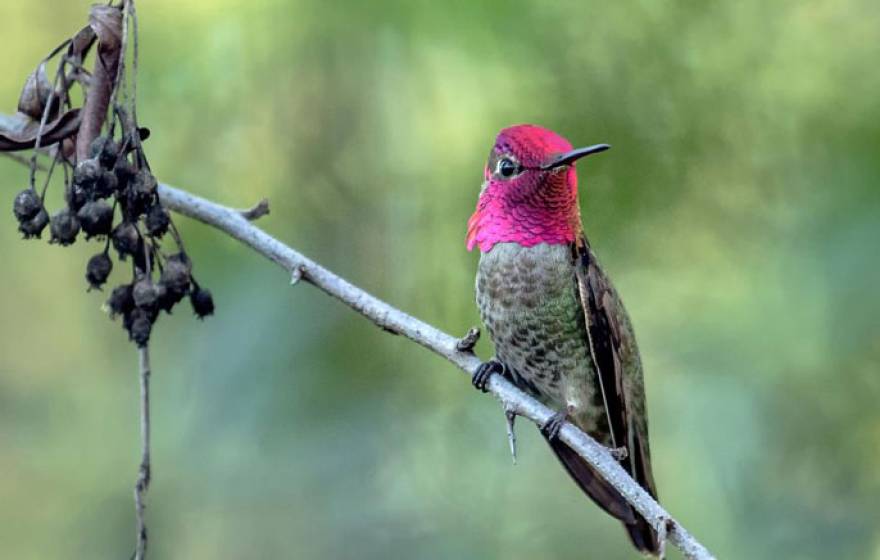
x=737, y=213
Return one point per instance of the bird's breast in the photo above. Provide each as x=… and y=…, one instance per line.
x=528, y=300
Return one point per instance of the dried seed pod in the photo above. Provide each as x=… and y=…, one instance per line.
x=106, y=184
x=78, y=194
x=87, y=172
x=35, y=94
x=124, y=172
x=141, y=189
x=98, y=270
x=139, y=323
x=143, y=183
x=140, y=258
x=27, y=205
x=35, y=226
x=176, y=275
x=106, y=150
x=170, y=298
x=146, y=294
x=95, y=218
x=202, y=302
x=64, y=227
x=121, y=300
x=125, y=239
x=157, y=220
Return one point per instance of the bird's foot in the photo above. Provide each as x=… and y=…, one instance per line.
x=618, y=453
x=551, y=427
x=485, y=371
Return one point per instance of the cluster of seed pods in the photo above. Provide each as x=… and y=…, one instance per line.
x=115, y=185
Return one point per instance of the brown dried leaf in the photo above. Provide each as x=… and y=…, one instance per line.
x=106, y=22
x=19, y=131
x=81, y=43
x=35, y=93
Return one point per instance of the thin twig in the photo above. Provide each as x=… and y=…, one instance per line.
x=120, y=68
x=143, y=478
x=256, y=212
x=23, y=160
x=135, y=53
x=59, y=76
x=59, y=155
x=387, y=317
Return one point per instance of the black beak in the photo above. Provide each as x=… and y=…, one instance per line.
x=570, y=157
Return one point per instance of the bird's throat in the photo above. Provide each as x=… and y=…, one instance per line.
x=496, y=221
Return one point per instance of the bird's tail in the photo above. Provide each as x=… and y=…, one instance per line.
x=643, y=537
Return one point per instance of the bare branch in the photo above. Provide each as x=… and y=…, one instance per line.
x=389, y=318
x=143, y=479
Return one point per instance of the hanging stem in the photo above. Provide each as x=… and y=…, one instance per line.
x=143, y=479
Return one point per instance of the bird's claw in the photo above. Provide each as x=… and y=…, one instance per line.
x=618, y=453
x=551, y=427
x=485, y=371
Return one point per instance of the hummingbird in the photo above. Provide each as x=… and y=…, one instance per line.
x=559, y=327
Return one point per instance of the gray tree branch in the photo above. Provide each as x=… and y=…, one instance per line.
x=236, y=224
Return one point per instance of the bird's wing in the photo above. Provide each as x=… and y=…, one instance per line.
x=616, y=359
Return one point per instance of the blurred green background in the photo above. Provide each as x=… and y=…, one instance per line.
x=737, y=213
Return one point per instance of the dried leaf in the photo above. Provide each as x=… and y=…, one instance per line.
x=106, y=22
x=35, y=93
x=81, y=43
x=19, y=131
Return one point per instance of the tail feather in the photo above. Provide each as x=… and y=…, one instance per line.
x=643, y=537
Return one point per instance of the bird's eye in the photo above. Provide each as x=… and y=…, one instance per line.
x=507, y=168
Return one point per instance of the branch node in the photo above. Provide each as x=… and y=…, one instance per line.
x=468, y=341
x=510, y=417
x=666, y=526
x=296, y=275
x=257, y=211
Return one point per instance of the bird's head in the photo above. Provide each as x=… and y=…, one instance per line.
x=529, y=193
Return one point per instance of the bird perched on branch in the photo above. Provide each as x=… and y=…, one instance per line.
x=560, y=330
